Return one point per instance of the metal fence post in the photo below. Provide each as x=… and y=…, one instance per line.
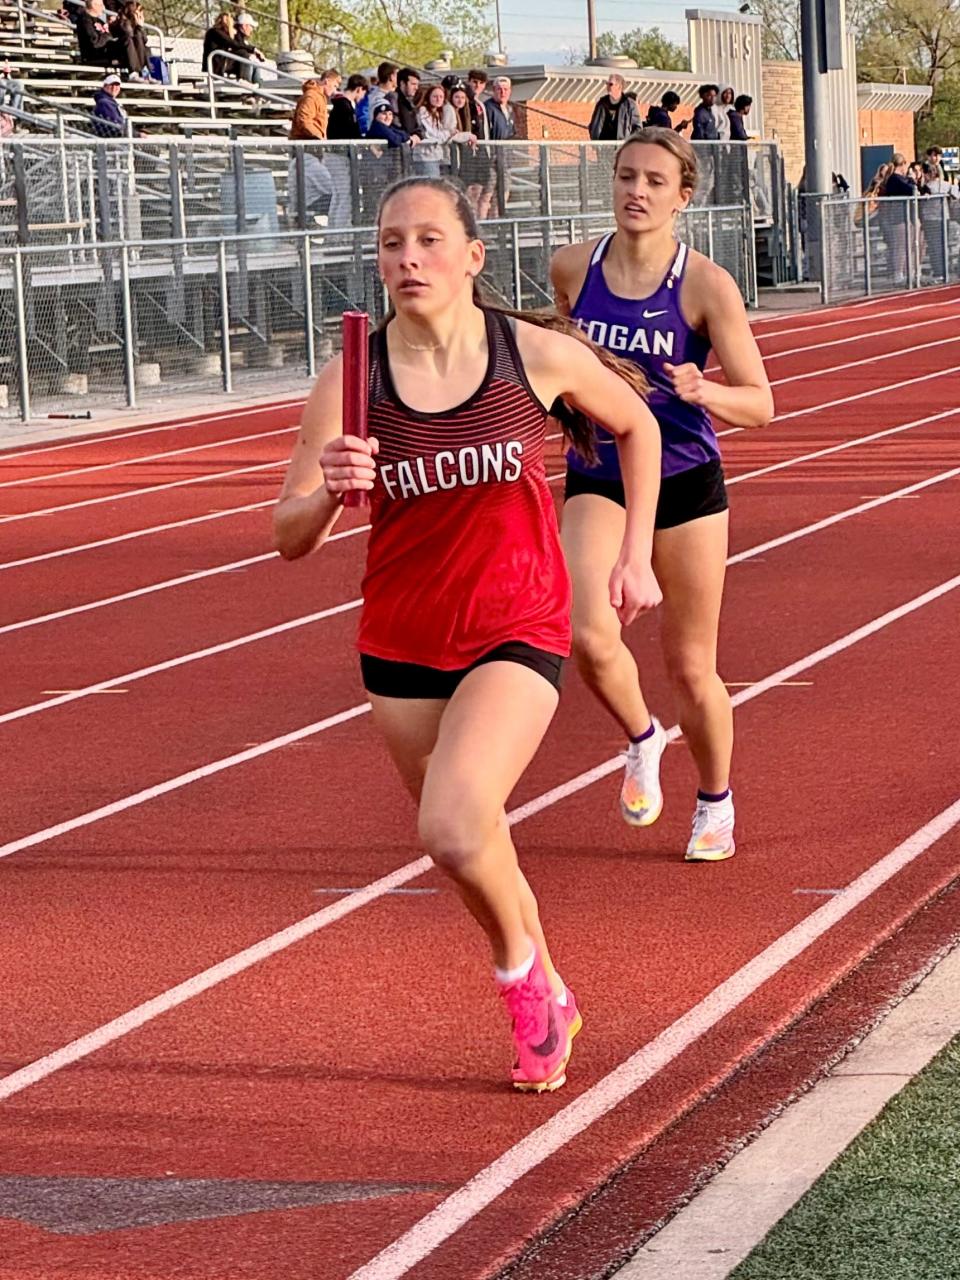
x=308, y=335
x=944, y=238
x=546, y=193
x=224, y=317
x=823, y=255
x=21, y=319
x=20, y=194
x=710, y=234
x=517, y=283
x=129, y=364
x=867, y=254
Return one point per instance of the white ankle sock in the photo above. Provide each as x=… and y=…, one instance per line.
x=506, y=977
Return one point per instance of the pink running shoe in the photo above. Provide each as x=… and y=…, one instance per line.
x=543, y=1031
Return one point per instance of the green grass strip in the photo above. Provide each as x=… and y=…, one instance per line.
x=888, y=1208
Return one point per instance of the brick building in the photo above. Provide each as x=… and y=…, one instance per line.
x=556, y=102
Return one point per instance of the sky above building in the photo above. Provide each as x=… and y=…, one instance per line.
x=547, y=30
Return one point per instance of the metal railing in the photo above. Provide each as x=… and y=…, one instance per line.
x=106, y=319
x=215, y=187
x=882, y=244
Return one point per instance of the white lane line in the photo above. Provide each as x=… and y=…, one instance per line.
x=135, y=533
x=116, y=683
x=857, y=338
x=240, y=564
x=104, y=686
x=196, y=576
x=167, y=1000
x=425, y=1236
x=137, y=493
x=147, y=457
x=839, y=448
x=845, y=310
x=793, y=330
x=186, y=423
x=871, y=360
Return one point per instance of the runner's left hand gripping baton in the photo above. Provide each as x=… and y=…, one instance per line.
x=355, y=331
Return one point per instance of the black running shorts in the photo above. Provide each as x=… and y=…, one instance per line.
x=687, y=496
x=409, y=680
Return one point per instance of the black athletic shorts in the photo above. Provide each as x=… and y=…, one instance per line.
x=690, y=495
x=409, y=680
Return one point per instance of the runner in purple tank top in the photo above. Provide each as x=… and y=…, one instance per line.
x=642, y=294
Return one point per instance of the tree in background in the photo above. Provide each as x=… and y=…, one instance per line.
x=355, y=36
x=648, y=47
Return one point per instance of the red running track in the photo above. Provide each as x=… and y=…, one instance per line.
x=301, y=1111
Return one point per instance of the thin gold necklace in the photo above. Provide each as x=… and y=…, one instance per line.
x=412, y=346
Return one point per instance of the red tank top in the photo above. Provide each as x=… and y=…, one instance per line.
x=464, y=551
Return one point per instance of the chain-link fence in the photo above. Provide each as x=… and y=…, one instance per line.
x=883, y=244
x=135, y=188
x=103, y=321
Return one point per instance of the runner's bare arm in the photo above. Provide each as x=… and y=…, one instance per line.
x=568, y=267
x=324, y=465
x=745, y=400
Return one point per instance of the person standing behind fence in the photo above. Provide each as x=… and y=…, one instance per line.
x=438, y=128
x=720, y=109
x=500, y=117
x=342, y=126
x=219, y=39
x=384, y=89
x=659, y=117
x=704, y=120
x=894, y=214
x=404, y=100
x=615, y=116
x=738, y=118
x=310, y=125
x=935, y=215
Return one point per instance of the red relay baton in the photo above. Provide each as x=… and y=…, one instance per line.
x=356, y=326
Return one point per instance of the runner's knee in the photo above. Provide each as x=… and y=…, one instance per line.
x=692, y=672
x=452, y=835
x=595, y=646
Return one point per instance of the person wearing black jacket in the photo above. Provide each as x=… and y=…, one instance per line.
x=704, y=121
x=404, y=102
x=893, y=217
x=659, y=117
x=95, y=39
x=738, y=118
x=615, y=116
x=342, y=126
x=220, y=38
x=135, y=56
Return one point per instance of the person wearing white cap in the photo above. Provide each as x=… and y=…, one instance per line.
x=245, y=27
x=110, y=119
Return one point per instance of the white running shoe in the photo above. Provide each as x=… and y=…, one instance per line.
x=712, y=836
x=641, y=800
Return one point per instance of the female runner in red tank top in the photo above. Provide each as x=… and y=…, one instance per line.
x=641, y=292
x=466, y=593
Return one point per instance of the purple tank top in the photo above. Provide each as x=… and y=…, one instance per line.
x=651, y=332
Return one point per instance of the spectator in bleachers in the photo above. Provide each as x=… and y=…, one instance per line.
x=342, y=127
x=893, y=217
x=134, y=53
x=500, y=111
x=477, y=85
x=615, y=116
x=244, y=46
x=659, y=117
x=704, y=121
x=95, y=36
x=384, y=88
x=438, y=128
x=934, y=156
x=110, y=119
x=738, y=117
x=219, y=39
x=310, y=113
x=383, y=128
x=721, y=112
x=404, y=101
x=476, y=167
x=342, y=118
